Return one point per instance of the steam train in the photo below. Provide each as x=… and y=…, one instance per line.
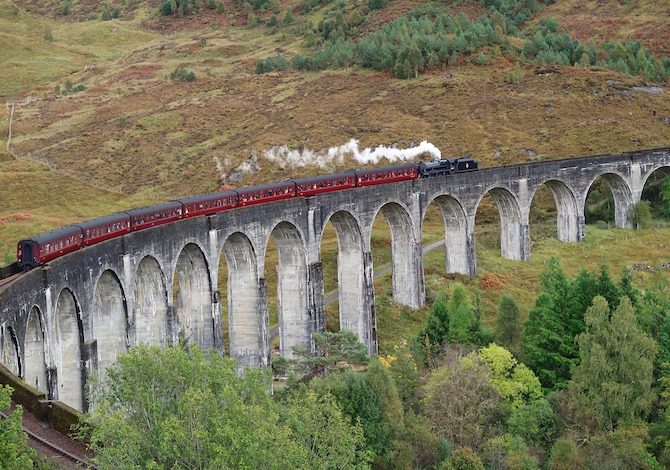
x=45, y=247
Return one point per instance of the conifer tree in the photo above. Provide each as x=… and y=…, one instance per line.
x=612, y=384
x=547, y=342
x=507, y=322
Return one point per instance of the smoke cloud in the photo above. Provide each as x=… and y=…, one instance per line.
x=293, y=158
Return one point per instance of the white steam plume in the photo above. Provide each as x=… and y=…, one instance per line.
x=292, y=158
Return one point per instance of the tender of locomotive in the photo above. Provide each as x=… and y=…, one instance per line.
x=45, y=247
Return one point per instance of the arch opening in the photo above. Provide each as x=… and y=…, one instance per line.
x=608, y=201
x=10, y=351
x=35, y=347
x=347, y=260
x=247, y=327
x=291, y=275
x=448, y=212
x=510, y=234
x=405, y=254
x=192, y=298
x=150, y=311
x=109, y=320
x=555, y=201
x=68, y=351
x=656, y=191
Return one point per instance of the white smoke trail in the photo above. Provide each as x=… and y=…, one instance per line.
x=293, y=158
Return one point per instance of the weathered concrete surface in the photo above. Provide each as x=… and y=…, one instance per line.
x=63, y=322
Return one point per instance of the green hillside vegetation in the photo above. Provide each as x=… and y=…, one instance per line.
x=124, y=103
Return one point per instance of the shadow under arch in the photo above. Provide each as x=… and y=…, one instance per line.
x=10, y=351
x=109, y=320
x=354, y=313
x=192, y=298
x=35, y=351
x=405, y=254
x=456, y=240
x=509, y=219
x=294, y=321
x=68, y=351
x=150, y=310
x=568, y=226
x=622, y=194
x=247, y=323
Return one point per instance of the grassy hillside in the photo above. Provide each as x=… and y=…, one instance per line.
x=99, y=125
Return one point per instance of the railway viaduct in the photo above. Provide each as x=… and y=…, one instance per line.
x=69, y=319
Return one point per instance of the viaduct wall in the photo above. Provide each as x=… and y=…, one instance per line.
x=69, y=319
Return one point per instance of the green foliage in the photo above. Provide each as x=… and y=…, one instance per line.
x=564, y=455
x=48, y=35
x=109, y=13
x=516, y=383
x=183, y=74
x=629, y=57
x=319, y=425
x=665, y=197
x=612, y=384
x=14, y=451
x=271, y=63
x=507, y=326
x=177, y=7
x=288, y=17
x=515, y=76
x=639, y=215
x=66, y=7
x=335, y=352
x=274, y=22
x=622, y=449
x=508, y=452
x=436, y=330
x=169, y=408
x=547, y=341
x=405, y=372
x=462, y=458
x=461, y=315
x=370, y=398
x=535, y=422
x=377, y=4
x=461, y=401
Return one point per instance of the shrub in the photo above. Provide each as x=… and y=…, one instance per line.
x=66, y=8
x=183, y=74
x=515, y=76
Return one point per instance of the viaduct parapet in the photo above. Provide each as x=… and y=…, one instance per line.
x=69, y=319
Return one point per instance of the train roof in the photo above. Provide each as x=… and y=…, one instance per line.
x=260, y=187
x=107, y=219
x=329, y=177
x=404, y=166
x=207, y=197
x=55, y=234
x=153, y=209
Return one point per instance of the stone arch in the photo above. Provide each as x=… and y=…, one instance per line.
x=512, y=234
x=193, y=298
x=294, y=321
x=457, y=240
x=35, y=351
x=665, y=168
x=150, y=312
x=109, y=319
x=246, y=322
x=569, y=222
x=623, y=197
x=68, y=351
x=405, y=254
x=351, y=280
x=10, y=351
